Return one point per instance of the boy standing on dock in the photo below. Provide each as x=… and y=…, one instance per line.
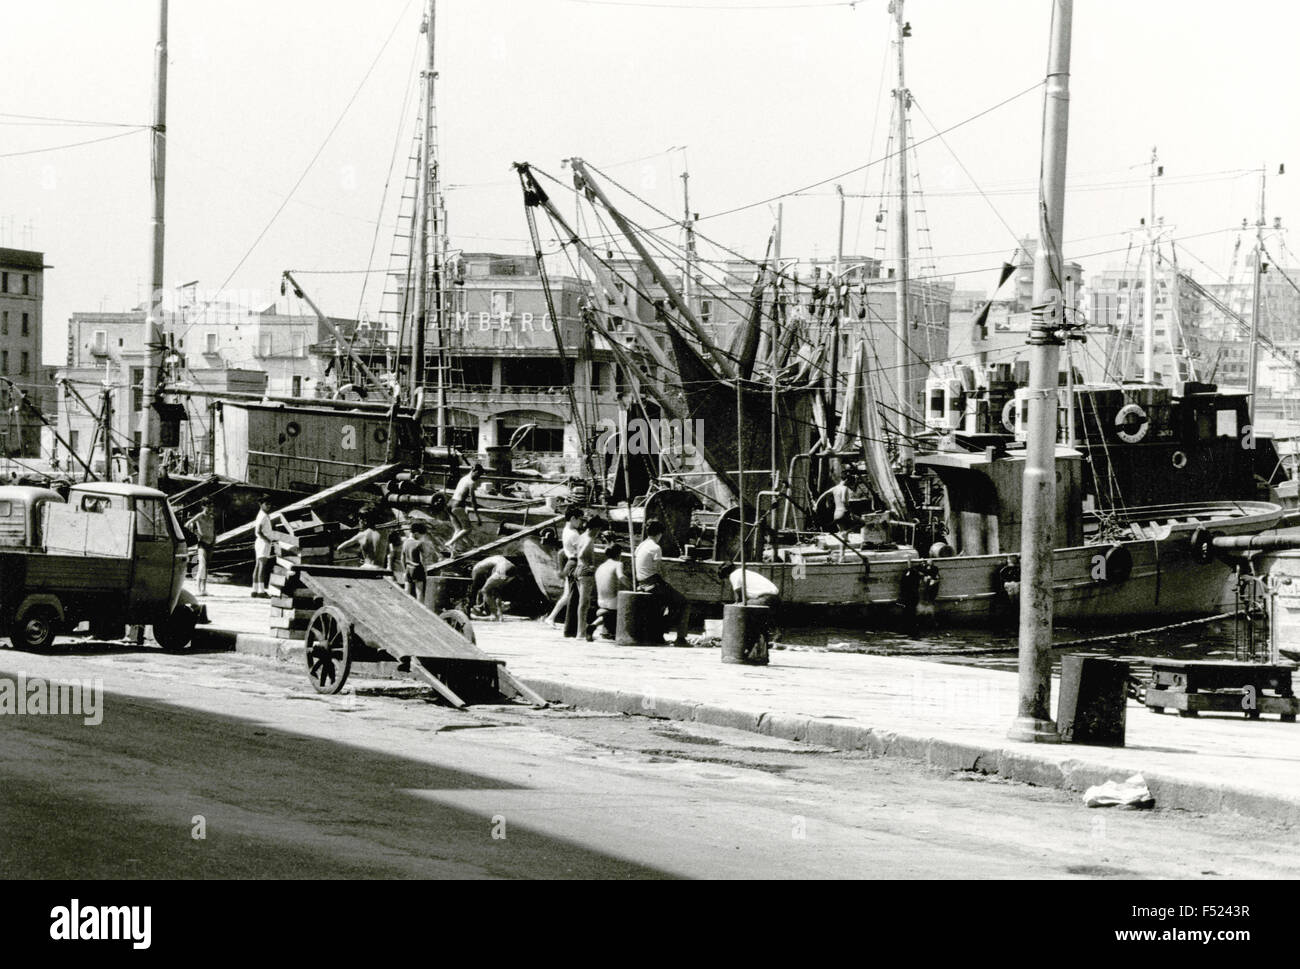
x=263, y=548
x=204, y=528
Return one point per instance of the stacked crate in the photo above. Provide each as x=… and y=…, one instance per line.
x=293, y=604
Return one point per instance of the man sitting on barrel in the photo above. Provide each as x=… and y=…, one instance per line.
x=758, y=591
x=610, y=580
x=648, y=562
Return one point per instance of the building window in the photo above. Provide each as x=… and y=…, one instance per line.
x=210, y=346
x=503, y=303
x=74, y=441
x=265, y=344
x=4, y=282
x=27, y=362
x=137, y=389
x=27, y=285
x=100, y=344
x=706, y=311
x=300, y=345
x=4, y=361
x=297, y=386
x=27, y=325
x=4, y=323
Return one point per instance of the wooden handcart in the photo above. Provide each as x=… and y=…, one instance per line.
x=362, y=615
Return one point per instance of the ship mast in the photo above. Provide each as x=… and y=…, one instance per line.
x=153, y=340
x=902, y=300
x=430, y=239
x=1149, y=297
x=1038, y=530
x=1252, y=373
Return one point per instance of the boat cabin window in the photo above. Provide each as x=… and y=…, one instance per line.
x=1226, y=423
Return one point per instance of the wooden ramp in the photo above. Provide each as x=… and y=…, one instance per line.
x=362, y=610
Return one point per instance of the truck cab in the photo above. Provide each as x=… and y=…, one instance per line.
x=111, y=554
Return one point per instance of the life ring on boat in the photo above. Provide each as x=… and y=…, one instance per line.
x=381, y=435
x=1179, y=460
x=1009, y=416
x=1118, y=566
x=941, y=550
x=1203, y=545
x=1132, y=424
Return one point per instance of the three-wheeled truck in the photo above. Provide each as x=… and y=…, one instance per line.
x=110, y=555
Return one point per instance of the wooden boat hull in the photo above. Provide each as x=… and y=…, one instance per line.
x=1167, y=578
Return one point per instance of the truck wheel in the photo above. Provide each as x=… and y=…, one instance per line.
x=177, y=632
x=35, y=630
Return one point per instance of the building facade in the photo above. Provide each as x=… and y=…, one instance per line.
x=22, y=292
x=1117, y=305
x=218, y=347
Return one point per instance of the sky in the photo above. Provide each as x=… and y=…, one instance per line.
x=756, y=99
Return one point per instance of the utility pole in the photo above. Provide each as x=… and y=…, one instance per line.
x=153, y=338
x=1038, y=530
x=1253, y=373
x=1149, y=297
x=902, y=300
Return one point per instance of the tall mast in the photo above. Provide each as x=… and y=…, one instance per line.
x=902, y=302
x=153, y=339
x=428, y=236
x=1038, y=516
x=1149, y=297
x=1252, y=375
x=438, y=219
x=688, y=274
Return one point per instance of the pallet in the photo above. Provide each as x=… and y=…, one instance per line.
x=1193, y=687
x=1223, y=701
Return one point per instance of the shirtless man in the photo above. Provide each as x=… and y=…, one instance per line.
x=491, y=577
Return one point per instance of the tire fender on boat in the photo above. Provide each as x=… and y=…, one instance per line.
x=919, y=587
x=1128, y=416
x=1116, y=566
x=1006, y=582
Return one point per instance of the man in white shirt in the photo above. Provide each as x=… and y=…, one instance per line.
x=647, y=563
x=569, y=554
x=263, y=549
x=758, y=591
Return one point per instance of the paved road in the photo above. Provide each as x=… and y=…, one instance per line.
x=385, y=784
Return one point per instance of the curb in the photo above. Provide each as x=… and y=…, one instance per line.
x=1171, y=791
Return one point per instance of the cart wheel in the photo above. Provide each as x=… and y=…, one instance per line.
x=329, y=650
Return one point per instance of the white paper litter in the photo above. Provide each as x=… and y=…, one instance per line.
x=1132, y=793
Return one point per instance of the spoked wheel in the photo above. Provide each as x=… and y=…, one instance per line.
x=329, y=650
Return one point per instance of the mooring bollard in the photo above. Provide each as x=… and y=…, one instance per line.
x=744, y=634
x=640, y=621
